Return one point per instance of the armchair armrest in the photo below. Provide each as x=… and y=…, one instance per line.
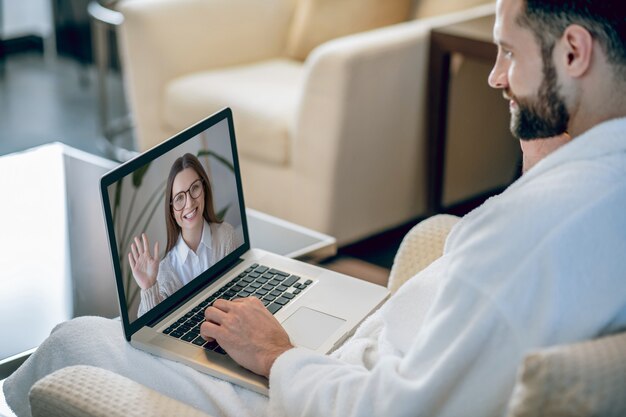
x=578, y=379
x=420, y=247
x=88, y=391
x=164, y=39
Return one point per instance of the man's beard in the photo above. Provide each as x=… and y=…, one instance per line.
x=543, y=116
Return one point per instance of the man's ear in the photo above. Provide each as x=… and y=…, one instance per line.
x=577, y=50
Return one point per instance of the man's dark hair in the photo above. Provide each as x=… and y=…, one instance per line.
x=604, y=19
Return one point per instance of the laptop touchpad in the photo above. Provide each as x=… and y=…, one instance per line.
x=310, y=328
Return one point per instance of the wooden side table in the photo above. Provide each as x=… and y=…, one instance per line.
x=473, y=39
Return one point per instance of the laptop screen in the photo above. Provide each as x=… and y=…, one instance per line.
x=175, y=217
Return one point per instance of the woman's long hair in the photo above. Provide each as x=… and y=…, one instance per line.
x=186, y=161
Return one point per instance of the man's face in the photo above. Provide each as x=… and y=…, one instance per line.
x=528, y=80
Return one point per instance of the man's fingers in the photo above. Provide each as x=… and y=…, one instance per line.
x=214, y=314
x=222, y=304
x=256, y=300
x=210, y=331
x=252, y=301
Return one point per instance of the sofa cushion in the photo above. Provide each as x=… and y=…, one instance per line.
x=582, y=379
x=318, y=21
x=263, y=96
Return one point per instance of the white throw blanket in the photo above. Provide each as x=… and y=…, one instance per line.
x=100, y=342
x=539, y=265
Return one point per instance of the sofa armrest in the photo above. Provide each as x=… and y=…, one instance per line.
x=364, y=101
x=420, y=247
x=87, y=391
x=164, y=39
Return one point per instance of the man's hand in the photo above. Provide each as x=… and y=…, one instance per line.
x=247, y=331
x=536, y=149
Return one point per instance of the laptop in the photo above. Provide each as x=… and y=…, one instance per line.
x=318, y=308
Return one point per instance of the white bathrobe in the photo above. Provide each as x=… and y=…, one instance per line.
x=544, y=263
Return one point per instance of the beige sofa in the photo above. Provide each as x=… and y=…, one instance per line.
x=578, y=380
x=333, y=139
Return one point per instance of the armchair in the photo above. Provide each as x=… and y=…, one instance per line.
x=335, y=142
x=582, y=379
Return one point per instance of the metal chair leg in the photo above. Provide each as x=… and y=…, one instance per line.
x=103, y=20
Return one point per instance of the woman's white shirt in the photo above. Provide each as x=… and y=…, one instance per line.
x=189, y=264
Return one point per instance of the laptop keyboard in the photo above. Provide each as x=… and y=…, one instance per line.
x=273, y=287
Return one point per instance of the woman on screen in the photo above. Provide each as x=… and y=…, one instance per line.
x=196, y=238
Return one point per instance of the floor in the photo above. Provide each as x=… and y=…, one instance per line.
x=43, y=101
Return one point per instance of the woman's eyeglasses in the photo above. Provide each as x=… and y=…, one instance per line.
x=180, y=199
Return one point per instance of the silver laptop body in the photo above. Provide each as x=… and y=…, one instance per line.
x=320, y=309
